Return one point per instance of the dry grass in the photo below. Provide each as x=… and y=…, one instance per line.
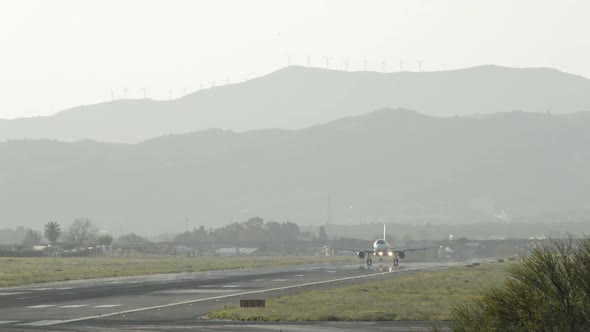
x=419, y=296
x=23, y=271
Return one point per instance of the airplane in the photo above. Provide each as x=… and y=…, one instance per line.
x=381, y=249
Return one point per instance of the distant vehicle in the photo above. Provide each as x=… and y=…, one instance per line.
x=381, y=249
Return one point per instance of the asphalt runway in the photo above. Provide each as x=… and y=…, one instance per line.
x=176, y=302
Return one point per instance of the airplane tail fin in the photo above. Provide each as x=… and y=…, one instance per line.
x=384, y=231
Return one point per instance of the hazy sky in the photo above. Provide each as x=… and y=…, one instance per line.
x=59, y=54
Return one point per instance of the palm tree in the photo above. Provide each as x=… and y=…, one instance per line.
x=52, y=232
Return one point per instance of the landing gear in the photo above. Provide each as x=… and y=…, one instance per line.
x=369, y=260
x=396, y=262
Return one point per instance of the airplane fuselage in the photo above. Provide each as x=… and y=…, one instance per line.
x=381, y=248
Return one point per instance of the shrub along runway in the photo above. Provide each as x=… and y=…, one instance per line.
x=166, y=300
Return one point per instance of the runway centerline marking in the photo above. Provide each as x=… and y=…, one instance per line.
x=42, y=323
x=238, y=295
x=11, y=293
x=40, y=306
x=2, y=322
x=73, y=306
x=107, y=305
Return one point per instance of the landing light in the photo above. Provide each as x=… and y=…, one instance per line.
x=390, y=254
x=380, y=253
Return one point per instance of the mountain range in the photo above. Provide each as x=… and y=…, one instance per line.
x=299, y=97
x=393, y=165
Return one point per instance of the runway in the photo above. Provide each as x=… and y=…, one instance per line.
x=176, y=301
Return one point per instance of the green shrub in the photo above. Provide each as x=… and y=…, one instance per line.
x=548, y=290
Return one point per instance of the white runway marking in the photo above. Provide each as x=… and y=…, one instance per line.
x=2, y=322
x=258, y=280
x=107, y=305
x=26, y=297
x=73, y=306
x=64, y=288
x=230, y=286
x=41, y=289
x=299, y=275
x=196, y=291
x=280, y=280
x=331, y=271
x=42, y=323
x=40, y=306
x=10, y=293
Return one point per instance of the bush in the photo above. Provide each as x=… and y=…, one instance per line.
x=548, y=290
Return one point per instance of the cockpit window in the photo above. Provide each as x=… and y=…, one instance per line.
x=380, y=242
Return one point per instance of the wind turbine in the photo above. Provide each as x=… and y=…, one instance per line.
x=383, y=63
x=365, y=63
x=419, y=66
x=327, y=63
x=112, y=95
x=144, y=93
x=346, y=63
x=401, y=65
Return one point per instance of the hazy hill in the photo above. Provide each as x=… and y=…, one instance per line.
x=389, y=165
x=298, y=97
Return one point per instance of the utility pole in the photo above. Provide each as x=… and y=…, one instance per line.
x=329, y=209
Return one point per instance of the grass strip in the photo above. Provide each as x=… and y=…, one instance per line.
x=24, y=271
x=418, y=296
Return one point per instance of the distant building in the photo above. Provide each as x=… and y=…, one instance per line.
x=184, y=250
x=235, y=251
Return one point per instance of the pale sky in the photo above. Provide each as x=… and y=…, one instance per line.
x=59, y=54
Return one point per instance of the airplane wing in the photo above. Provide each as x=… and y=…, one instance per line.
x=371, y=251
x=408, y=249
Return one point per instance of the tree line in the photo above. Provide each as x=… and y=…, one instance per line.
x=255, y=232
x=269, y=235
x=81, y=233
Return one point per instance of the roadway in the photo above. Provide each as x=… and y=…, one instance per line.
x=179, y=301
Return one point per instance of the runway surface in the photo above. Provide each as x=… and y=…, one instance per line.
x=176, y=302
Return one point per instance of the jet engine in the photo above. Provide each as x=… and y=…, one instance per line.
x=401, y=254
x=361, y=254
